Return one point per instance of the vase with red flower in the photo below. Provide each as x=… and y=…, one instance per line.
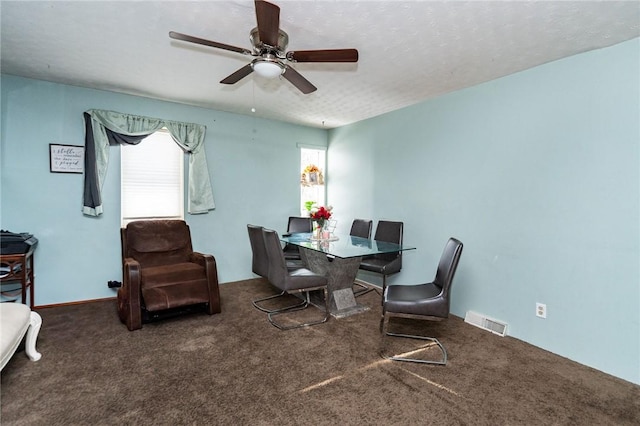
x=320, y=215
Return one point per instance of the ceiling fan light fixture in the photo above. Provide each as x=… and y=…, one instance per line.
x=269, y=44
x=267, y=69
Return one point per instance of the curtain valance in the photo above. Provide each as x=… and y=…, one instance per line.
x=189, y=136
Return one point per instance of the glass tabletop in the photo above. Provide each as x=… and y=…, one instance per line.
x=344, y=246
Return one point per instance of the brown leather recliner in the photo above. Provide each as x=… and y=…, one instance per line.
x=162, y=273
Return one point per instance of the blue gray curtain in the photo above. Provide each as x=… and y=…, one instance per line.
x=104, y=128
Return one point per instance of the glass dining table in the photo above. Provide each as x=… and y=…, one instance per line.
x=338, y=258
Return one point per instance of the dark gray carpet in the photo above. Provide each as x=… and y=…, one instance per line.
x=235, y=368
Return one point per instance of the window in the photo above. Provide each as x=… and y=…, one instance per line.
x=313, y=176
x=152, y=179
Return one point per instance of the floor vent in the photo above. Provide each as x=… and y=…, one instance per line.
x=489, y=324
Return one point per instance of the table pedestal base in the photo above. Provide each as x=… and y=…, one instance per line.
x=341, y=273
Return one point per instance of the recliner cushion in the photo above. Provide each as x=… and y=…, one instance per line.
x=175, y=295
x=158, y=242
x=170, y=286
x=157, y=276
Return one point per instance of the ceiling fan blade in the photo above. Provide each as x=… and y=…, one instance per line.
x=298, y=80
x=238, y=75
x=329, y=55
x=268, y=17
x=184, y=37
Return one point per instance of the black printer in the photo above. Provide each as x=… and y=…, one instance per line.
x=13, y=243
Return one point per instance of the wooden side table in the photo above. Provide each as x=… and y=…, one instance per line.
x=20, y=268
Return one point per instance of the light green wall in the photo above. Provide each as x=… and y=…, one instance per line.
x=253, y=163
x=538, y=174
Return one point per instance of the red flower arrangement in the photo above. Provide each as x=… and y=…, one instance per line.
x=320, y=214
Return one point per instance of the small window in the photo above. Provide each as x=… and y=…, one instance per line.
x=152, y=179
x=312, y=178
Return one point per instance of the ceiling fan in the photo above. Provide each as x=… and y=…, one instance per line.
x=269, y=49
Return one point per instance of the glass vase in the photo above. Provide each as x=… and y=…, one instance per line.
x=317, y=230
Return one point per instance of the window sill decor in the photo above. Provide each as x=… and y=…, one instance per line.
x=311, y=175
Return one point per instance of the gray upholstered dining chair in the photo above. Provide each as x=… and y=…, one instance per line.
x=430, y=301
x=260, y=266
x=291, y=282
x=259, y=261
x=361, y=228
x=296, y=224
x=385, y=263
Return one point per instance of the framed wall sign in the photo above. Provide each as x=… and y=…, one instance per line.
x=66, y=158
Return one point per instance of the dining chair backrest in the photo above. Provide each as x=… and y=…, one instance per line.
x=299, y=224
x=278, y=272
x=295, y=225
x=447, y=267
x=361, y=228
x=259, y=260
x=391, y=232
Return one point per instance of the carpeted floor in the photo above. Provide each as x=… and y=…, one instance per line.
x=235, y=368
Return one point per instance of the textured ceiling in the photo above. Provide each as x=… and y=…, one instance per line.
x=409, y=50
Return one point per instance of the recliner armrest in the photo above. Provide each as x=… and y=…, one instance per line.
x=131, y=275
x=198, y=258
x=207, y=261
x=130, y=295
x=211, y=270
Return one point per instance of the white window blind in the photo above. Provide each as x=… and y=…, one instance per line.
x=152, y=179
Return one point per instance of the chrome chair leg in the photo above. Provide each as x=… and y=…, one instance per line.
x=384, y=287
x=384, y=324
x=365, y=290
x=275, y=296
x=306, y=302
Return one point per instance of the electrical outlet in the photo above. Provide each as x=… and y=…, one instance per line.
x=541, y=310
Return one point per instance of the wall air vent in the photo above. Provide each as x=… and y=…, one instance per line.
x=486, y=323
